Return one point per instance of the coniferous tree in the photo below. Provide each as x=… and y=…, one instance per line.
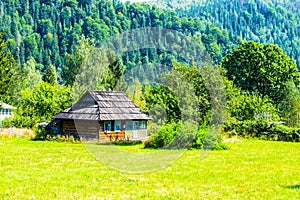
x=50, y=75
x=8, y=73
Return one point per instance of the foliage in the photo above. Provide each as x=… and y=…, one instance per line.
x=263, y=130
x=265, y=22
x=194, y=76
x=74, y=61
x=135, y=94
x=40, y=103
x=49, y=31
x=50, y=75
x=185, y=135
x=91, y=68
x=31, y=74
x=93, y=72
x=67, y=34
x=209, y=139
x=244, y=106
x=290, y=105
x=206, y=87
x=8, y=73
x=166, y=99
x=164, y=136
x=261, y=68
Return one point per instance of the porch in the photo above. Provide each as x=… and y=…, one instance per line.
x=123, y=135
x=112, y=136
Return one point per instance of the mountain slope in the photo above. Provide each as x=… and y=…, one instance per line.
x=276, y=22
x=46, y=31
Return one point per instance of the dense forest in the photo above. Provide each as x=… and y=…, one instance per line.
x=253, y=46
x=275, y=22
x=43, y=32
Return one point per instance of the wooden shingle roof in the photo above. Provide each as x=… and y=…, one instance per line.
x=100, y=105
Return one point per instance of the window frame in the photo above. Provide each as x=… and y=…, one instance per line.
x=107, y=123
x=118, y=123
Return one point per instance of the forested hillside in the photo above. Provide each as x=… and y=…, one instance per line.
x=276, y=22
x=43, y=32
x=44, y=44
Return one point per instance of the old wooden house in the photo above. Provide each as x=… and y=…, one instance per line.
x=103, y=115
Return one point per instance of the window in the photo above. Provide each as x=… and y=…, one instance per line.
x=143, y=124
x=107, y=126
x=136, y=125
x=117, y=126
x=128, y=125
x=5, y=112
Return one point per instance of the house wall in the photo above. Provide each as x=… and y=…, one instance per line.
x=5, y=113
x=83, y=128
x=88, y=130
x=127, y=132
x=136, y=133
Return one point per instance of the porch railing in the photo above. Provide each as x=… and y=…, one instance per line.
x=113, y=136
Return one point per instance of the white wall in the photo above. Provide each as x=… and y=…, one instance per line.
x=5, y=113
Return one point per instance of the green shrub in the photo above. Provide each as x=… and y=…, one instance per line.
x=163, y=137
x=263, y=130
x=207, y=139
x=185, y=135
x=19, y=121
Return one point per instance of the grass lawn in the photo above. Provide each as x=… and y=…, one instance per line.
x=251, y=169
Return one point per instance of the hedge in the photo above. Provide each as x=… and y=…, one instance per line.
x=263, y=130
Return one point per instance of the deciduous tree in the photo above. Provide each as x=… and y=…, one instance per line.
x=261, y=68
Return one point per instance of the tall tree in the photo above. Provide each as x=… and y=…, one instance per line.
x=290, y=105
x=32, y=75
x=135, y=94
x=91, y=69
x=40, y=103
x=8, y=72
x=50, y=75
x=261, y=68
x=162, y=96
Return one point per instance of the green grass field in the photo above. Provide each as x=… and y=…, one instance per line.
x=251, y=169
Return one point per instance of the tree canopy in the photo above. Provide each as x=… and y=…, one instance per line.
x=264, y=69
x=275, y=22
x=8, y=72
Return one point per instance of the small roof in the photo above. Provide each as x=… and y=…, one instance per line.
x=6, y=106
x=104, y=106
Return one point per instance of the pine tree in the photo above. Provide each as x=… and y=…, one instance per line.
x=50, y=75
x=8, y=72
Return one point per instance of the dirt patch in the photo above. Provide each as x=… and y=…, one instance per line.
x=16, y=132
x=232, y=140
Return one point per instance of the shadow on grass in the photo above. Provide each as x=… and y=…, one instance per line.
x=293, y=187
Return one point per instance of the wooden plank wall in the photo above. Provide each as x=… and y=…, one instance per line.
x=84, y=128
x=68, y=126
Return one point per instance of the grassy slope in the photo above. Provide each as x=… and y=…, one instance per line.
x=249, y=170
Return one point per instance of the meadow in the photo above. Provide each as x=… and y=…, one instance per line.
x=250, y=169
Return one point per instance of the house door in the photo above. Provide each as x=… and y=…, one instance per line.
x=135, y=128
x=107, y=126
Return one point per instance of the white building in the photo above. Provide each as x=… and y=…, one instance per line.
x=6, y=111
